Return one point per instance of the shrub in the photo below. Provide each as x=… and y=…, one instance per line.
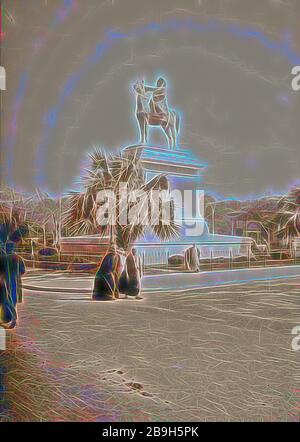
x=176, y=260
x=47, y=251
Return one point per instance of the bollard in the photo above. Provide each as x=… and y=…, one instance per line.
x=2, y=339
x=2, y=78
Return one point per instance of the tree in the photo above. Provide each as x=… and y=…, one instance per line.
x=288, y=215
x=48, y=214
x=14, y=225
x=99, y=207
x=262, y=213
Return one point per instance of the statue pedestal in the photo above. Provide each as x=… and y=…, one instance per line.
x=156, y=160
x=184, y=172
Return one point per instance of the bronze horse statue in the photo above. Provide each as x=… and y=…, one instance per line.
x=167, y=119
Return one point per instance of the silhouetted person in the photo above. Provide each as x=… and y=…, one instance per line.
x=191, y=259
x=15, y=270
x=106, y=279
x=8, y=312
x=130, y=281
x=3, y=290
x=11, y=269
x=119, y=267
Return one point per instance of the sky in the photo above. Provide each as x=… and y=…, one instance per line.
x=70, y=68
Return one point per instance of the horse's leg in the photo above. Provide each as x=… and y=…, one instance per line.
x=141, y=120
x=170, y=130
x=174, y=135
x=168, y=135
x=140, y=125
x=146, y=130
x=143, y=137
x=173, y=129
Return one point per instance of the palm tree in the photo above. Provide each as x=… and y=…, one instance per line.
x=101, y=190
x=261, y=212
x=288, y=215
x=209, y=211
x=14, y=222
x=47, y=213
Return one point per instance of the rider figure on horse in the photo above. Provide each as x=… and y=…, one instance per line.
x=158, y=102
x=154, y=111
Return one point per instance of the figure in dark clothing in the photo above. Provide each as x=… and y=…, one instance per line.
x=4, y=314
x=130, y=280
x=15, y=270
x=8, y=312
x=11, y=269
x=106, y=279
x=192, y=259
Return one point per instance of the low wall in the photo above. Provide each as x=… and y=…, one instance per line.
x=94, y=247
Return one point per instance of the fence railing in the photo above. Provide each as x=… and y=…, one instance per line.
x=158, y=260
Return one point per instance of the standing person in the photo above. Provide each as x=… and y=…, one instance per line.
x=14, y=269
x=191, y=259
x=139, y=263
x=106, y=279
x=8, y=312
x=130, y=281
x=3, y=288
x=119, y=267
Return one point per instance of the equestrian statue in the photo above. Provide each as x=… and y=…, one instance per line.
x=152, y=110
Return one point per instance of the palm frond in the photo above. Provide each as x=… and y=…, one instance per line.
x=109, y=173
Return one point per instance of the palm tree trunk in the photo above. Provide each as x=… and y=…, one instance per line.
x=44, y=235
x=112, y=234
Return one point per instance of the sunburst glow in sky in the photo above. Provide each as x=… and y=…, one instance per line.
x=71, y=65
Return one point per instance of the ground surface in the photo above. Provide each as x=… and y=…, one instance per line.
x=212, y=354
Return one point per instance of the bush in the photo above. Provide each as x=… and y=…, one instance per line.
x=48, y=254
x=52, y=265
x=240, y=259
x=86, y=268
x=48, y=251
x=176, y=260
x=80, y=259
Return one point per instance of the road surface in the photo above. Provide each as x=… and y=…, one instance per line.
x=209, y=354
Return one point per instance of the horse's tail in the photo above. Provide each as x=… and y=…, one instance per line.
x=177, y=122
